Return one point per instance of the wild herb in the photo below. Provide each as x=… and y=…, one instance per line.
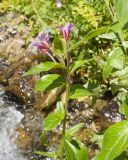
x=111, y=74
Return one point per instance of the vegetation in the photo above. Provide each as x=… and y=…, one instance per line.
x=94, y=56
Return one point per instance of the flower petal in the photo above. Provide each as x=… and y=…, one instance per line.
x=42, y=37
x=66, y=30
x=69, y=27
x=58, y=3
x=38, y=45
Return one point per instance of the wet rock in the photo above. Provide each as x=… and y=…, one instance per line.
x=23, y=139
x=110, y=115
x=22, y=88
x=30, y=131
x=18, y=85
x=48, y=99
x=100, y=104
x=13, y=50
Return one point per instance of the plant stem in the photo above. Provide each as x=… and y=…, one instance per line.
x=67, y=78
x=52, y=58
x=66, y=105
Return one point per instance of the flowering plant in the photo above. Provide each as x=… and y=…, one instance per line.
x=51, y=81
x=60, y=53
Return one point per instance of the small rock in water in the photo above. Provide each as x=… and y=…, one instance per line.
x=110, y=115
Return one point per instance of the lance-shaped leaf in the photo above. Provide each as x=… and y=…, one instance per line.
x=55, y=118
x=76, y=65
x=45, y=66
x=107, y=69
x=115, y=141
x=60, y=107
x=108, y=36
x=78, y=90
x=69, y=150
x=47, y=154
x=49, y=82
x=76, y=151
x=89, y=36
x=71, y=131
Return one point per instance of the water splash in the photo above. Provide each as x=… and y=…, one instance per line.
x=9, y=119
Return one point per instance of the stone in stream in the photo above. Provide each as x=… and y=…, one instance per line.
x=110, y=115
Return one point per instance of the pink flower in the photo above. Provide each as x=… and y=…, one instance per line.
x=58, y=3
x=66, y=30
x=42, y=43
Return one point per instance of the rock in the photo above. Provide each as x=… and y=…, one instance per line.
x=110, y=115
x=48, y=99
x=15, y=59
x=100, y=104
x=13, y=50
x=28, y=137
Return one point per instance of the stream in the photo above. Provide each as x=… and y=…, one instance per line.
x=18, y=138
x=9, y=119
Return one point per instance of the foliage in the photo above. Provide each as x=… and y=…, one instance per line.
x=114, y=142
x=95, y=54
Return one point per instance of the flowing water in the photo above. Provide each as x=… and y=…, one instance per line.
x=9, y=119
x=15, y=144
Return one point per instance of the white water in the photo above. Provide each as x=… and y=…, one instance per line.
x=9, y=119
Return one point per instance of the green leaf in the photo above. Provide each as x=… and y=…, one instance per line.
x=116, y=58
x=47, y=154
x=52, y=120
x=43, y=138
x=60, y=148
x=71, y=131
x=55, y=118
x=121, y=157
x=124, y=82
x=69, y=150
x=97, y=139
x=116, y=27
x=45, y=66
x=76, y=65
x=107, y=2
x=89, y=36
x=82, y=152
x=122, y=10
x=58, y=46
x=115, y=141
x=93, y=86
x=77, y=152
x=49, y=82
x=107, y=69
x=123, y=108
x=60, y=107
x=114, y=88
x=123, y=72
x=111, y=36
x=78, y=90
